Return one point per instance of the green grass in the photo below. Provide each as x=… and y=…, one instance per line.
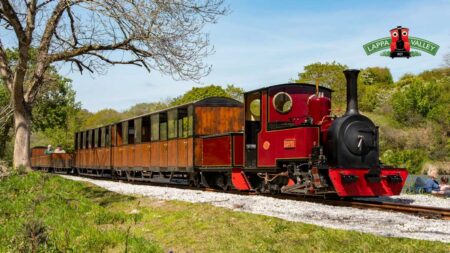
x=52, y=214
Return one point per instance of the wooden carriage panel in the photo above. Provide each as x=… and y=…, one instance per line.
x=163, y=147
x=142, y=155
x=172, y=153
x=128, y=155
x=182, y=152
x=104, y=157
x=78, y=158
x=85, y=158
x=198, y=151
x=190, y=152
x=117, y=155
x=154, y=154
x=38, y=151
x=218, y=120
x=60, y=160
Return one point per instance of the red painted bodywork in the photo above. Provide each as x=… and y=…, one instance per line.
x=238, y=150
x=223, y=150
x=239, y=180
x=318, y=108
x=305, y=137
x=364, y=188
x=299, y=111
x=404, y=34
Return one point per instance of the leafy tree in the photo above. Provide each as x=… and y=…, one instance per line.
x=198, y=93
x=102, y=117
x=374, y=87
x=143, y=108
x=435, y=74
x=329, y=75
x=5, y=120
x=375, y=75
x=235, y=92
x=159, y=35
x=416, y=100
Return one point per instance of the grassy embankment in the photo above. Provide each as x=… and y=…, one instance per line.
x=415, y=147
x=46, y=213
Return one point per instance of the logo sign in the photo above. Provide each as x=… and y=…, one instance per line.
x=399, y=44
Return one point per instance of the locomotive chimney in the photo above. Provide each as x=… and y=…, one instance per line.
x=352, y=91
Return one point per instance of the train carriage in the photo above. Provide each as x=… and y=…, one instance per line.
x=164, y=146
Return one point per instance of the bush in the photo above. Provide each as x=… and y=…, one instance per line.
x=416, y=100
x=411, y=159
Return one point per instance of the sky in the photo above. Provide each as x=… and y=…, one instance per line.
x=261, y=43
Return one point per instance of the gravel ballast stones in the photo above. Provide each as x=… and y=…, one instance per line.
x=368, y=221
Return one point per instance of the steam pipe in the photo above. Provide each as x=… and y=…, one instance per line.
x=352, y=91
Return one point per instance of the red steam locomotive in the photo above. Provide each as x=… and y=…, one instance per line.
x=281, y=140
x=400, y=46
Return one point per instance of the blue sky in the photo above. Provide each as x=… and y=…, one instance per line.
x=261, y=43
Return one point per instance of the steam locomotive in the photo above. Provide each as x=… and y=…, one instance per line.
x=400, y=46
x=282, y=139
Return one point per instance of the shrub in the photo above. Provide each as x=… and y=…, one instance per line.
x=411, y=159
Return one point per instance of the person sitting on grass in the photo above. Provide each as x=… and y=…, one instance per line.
x=427, y=185
x=49, y=150
x=444, y=187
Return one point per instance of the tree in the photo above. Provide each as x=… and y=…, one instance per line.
x=93, y=34
x=5, y=120
x=329, y=75
x=102, y=117
x=143, y=108
x=198, y=93
x=376, y=75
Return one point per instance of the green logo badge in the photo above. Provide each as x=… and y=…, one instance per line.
x=400, y=45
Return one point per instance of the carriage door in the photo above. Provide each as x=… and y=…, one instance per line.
x=252, y=127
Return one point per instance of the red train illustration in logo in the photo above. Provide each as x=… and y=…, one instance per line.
x=400, y=46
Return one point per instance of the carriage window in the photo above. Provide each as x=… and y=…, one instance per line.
x=125, y=133
x=108, y=136
x=183, y=122
x=145, y=129
x=155, y=127
x=190, y=121
x=282, y=102
x=77, y=141
x=163, y=127
x=131, y=132
x=119, y=134
x=102, y=137
x=96, y=138
x=84, y=141
x=253, y=107
x=172, y=123
x=92, y=139
x=137, y=130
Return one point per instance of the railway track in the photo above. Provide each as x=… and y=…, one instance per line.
x=422, y=211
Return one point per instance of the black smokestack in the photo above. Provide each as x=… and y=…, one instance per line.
x=352, y=91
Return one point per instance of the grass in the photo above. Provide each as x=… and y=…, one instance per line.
x=46, y=213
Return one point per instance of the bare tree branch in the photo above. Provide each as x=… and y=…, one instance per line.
x=162, y=35
x=5, y=71
x=11, y=17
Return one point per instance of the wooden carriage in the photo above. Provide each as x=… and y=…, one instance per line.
x=162, y=144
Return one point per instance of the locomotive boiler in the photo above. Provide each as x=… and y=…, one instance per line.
x=282, y=139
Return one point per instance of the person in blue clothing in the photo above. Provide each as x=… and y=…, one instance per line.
x=427, y=185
